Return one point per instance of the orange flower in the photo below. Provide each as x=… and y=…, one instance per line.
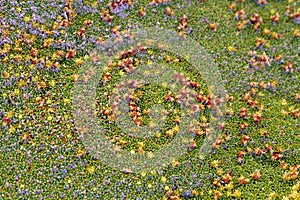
x=227, y=178
x=243, y=112
x=292, y=174
x=70, y=54
x=232, y=6
x=168, y=11
x=260, y=42
x=256, y=175
x=213, y=26
x=246, y=97
x=141, y=12
x=242, y=180
x=192, y=144
x=217, y=194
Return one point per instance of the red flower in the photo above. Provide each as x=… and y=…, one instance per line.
x=274, y=18
x=194, y=84
x=282, y=165
x=295, y=113
x=33, y=52
x=259, y=152
x=263, y=132
x=287, y=67
x=241, y=153
x=257, y=118
x=276, y=156
x=6, y=121
x=169, y=98
x=217, y=142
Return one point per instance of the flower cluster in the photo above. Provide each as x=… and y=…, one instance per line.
x=254, y=44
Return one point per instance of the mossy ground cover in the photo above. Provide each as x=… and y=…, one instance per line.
x=254, y=44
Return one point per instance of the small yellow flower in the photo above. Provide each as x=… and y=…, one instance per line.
x=121, y=73
x=213, y=26
x=150, y=155
x=80, y=152
x=168, y=58
x=16, y=92
x=229, y=186
x=59, y=18
x=21, y=83
x=231, y=49
x=296, y=33
x=215, y=164
x=176, y=129
x=149, y=62
x=90, y=169
x=158, y=135
x=140, y=144
x=236, y=194
x=11, y=129
x=49, y=118
x=272, y=12
x=261, y=94
x=26, y=19
x=75, y=77
x=163, y=179
x=274, y=35
x=78, y=61
x=66, y=101
x=51, y=83
x=150, y=52
x=272, y=195
x=94, y=4
x=266, y=31
x=219, y=171
x=169, y=133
